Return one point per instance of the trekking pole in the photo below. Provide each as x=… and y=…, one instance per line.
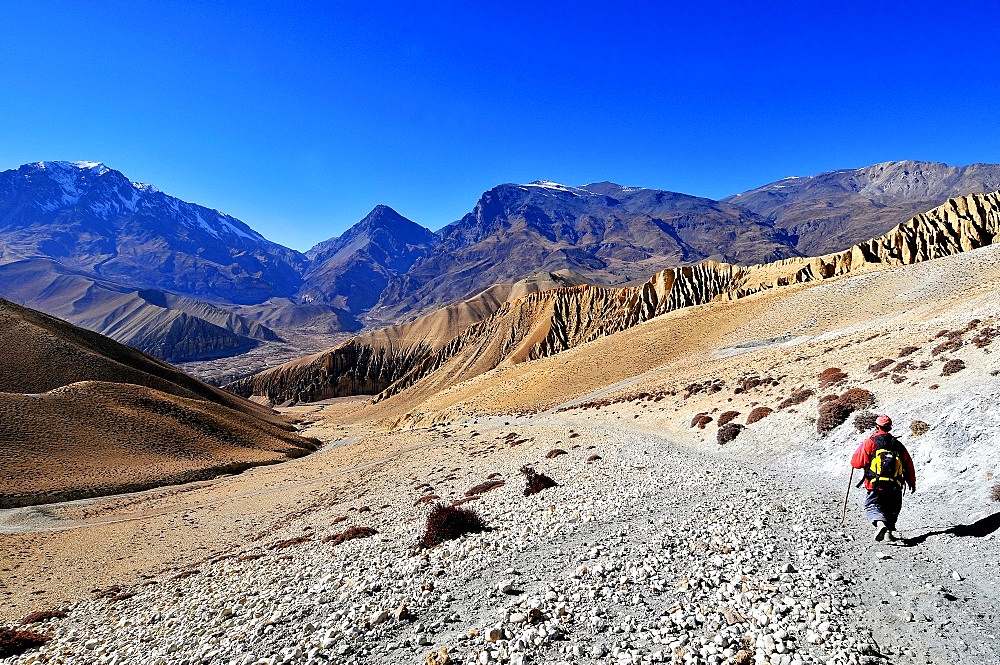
x=850, y=481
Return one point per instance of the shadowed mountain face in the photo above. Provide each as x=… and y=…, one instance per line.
x=352, y=271
x=608, y=232
x=832, y=211
x=93, y=219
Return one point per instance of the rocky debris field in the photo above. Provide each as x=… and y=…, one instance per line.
x=652, y=553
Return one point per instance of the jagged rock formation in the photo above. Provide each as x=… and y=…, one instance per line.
x=545, y=323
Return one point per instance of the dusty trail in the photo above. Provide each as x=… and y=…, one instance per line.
x=903, y=607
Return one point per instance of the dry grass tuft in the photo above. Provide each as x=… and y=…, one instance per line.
x=743, y=657
x=728, y=433
x=880, y=365
x=594, y=458
x=536, y=482
x=727, y=417
x=759, y=414
x=291, y=542
x=986, y=336
x=446, y=522
x=919, y=427
x=425, y=499
x=831, y=376
x=186, y=574
x=953, y=366
x=482, y=488
x=907, y=351
x=995, y=492
x=865, y=421
x=555, y=452
x=14, y=642
x=351, y=533
x=43, y=615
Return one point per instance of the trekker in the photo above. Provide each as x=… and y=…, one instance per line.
x=887, y=466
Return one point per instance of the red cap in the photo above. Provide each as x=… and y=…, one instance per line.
x=883, y=421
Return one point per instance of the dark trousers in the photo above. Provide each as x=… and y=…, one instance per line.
x=883, y=505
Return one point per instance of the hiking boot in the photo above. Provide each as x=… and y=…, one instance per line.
x=880, y=530
x=890, y=536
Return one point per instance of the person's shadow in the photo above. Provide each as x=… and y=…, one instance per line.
x=977, y=529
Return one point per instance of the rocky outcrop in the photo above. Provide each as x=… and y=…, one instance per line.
x=545, y=323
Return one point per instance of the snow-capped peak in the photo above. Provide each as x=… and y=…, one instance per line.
x=99, y=167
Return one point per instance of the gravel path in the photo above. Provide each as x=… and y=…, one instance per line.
x=654, y=553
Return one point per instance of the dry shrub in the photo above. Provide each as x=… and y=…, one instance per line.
x=594, y=458
x=880, y=365
x=338, y=520
x=446, y=522
x=182, y=576
x=835, y=412
x=14, y=642
x=831, y=376
x=113, y=590
x=919, y=427
x=796, y=398
x=43, y=615
x=728, y=432
x=701, y=420
x=482, y=488
x=858, y=399
x=903, y=366
x=995, y=492
x=953, y=366
x=555, y=452
x=727, y=417
x=865, y=421
x=907, y=350
x=759, y=413
x=291, y=542
x=536, y=482
x=986, y=336
x=351, y=533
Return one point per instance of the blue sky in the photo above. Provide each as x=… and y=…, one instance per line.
x=300, y=117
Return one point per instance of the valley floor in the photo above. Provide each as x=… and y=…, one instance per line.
x=657, y=552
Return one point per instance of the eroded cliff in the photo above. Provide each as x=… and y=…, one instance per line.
x=545, y=323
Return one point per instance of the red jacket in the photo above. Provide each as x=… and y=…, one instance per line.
x=863, y=456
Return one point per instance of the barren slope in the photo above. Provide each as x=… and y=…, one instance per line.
x=82, y=415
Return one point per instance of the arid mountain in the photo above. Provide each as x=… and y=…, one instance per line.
x=830, y=211
x=352, y=271
x=129, y=238
x=610, y=233
x=93, y=219
x=545, y=323
x=166, y=326
x=82, y=415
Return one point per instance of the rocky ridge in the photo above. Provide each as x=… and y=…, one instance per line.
x=545, y=323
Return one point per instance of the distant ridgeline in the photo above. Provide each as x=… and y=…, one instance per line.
x=181, y=281
x=548, y=322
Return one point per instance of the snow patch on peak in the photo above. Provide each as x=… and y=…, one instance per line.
x=548, y=184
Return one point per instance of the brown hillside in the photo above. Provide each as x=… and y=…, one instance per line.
x=81, y=415
x=545, y=323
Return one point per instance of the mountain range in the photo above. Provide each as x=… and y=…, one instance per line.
x=181, y=281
